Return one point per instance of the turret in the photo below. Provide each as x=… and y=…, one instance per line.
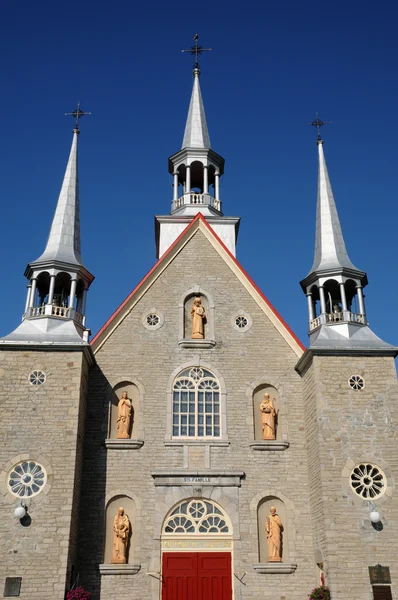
x=334, y=285
x=58, y=280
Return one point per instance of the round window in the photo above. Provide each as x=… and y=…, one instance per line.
x=368, y=481
x=152, y=320
x=356, y=382
x=27, y=479
x=37, y=378
x=241, y=322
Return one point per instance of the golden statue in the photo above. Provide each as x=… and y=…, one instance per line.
x=274, y=528
x=123, y=417
x=268, y=418
x=121, y=533
x=198, y=315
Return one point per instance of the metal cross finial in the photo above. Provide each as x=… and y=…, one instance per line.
x=318, y=124
x=196, y=50
x=77, y=114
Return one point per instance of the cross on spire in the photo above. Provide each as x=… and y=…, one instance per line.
x=318, y=124
x=195, y=50
x=77, y=114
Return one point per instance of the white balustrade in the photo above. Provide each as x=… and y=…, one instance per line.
x=56, y=311
x=315, y=323
x=338, y=317
x=197, y=198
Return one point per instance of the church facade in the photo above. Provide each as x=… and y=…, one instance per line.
x=194, y=449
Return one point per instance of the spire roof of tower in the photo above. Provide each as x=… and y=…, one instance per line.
x=63, y=242
x=196, y=134
x=330, y=249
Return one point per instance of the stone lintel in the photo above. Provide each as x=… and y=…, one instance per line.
x=272, y=445
x=188, y=477
x=279, y=568
x=110, y=569
x=197, y=343
x=124, y=444
x=187, y=442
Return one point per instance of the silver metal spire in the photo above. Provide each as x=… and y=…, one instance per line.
x=64, y=239
x=196, y=134
x=330, y=250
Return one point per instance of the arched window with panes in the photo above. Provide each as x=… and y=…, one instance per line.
x=196, y=404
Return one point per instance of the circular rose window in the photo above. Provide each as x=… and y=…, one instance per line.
x=37, y=378
x=368, y=481
x=27, y=479
x=152, y=320
x=356, y=383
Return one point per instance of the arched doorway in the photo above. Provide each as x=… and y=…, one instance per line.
x=197, y=552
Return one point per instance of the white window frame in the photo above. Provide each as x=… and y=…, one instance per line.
x=190, y=382
x=171, y=439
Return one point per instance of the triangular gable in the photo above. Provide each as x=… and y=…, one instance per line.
x=199, y=222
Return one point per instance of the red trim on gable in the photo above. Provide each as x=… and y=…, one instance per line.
x=252, y=283
x=198, y=217
x=137, y=287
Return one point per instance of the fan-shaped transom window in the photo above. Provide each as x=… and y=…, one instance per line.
x=196, y=517
x=196, y=404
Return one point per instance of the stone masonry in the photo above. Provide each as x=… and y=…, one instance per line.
x=43, y=423
x=240, y=359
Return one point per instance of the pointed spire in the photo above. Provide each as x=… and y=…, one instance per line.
x=330, y=249
x=196, y=134
x=64, y=239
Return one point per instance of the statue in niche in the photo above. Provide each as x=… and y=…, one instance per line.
x=268, y=418
x=198, y=315
x=123, y=417
x=121, y=534
x=274, y=528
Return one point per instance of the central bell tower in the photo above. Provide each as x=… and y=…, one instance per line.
x=196, y=171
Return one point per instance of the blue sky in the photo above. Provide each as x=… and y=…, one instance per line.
x=272, y=67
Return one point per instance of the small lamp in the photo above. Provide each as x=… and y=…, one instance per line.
x=374, y=516
x=20, y=511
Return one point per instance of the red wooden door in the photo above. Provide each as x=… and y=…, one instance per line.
x=180, y=575
x=197, y=576
x=214, y=576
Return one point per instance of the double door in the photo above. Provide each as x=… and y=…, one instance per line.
x=196, y=576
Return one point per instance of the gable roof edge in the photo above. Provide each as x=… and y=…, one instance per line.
x=234, y=265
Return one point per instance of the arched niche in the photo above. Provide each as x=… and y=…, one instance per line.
x=185, y=325
x=258, y=395
x=128, y=504
x=188, y=318
x=263, y=510
x=133, y=393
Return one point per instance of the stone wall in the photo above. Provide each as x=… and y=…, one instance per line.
x=41, y=423
x=242, y=361
x=344, y=428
